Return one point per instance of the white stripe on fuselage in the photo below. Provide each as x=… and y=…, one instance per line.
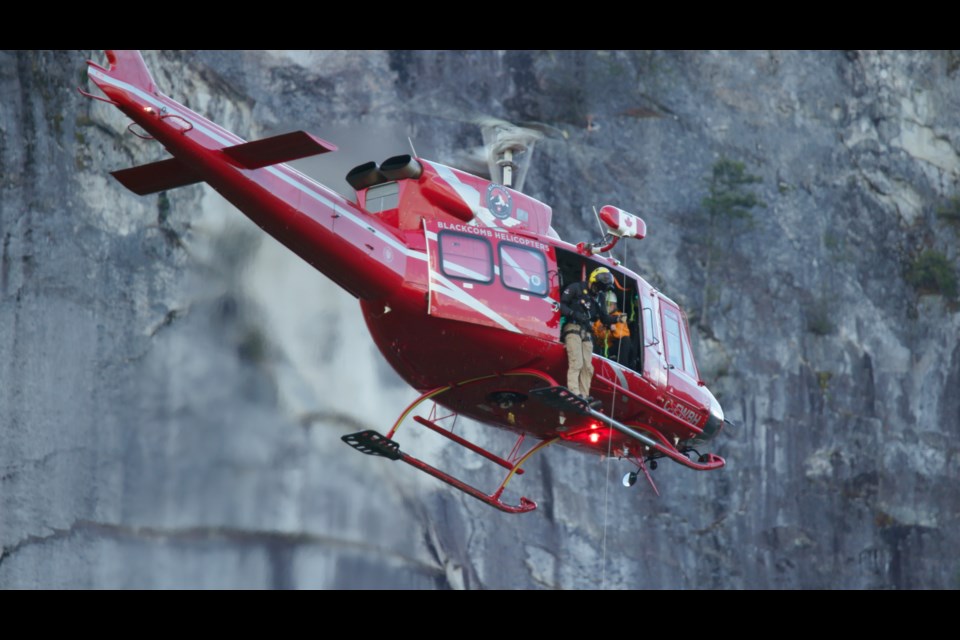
x=516, y=267
x=458, y=294
x=470, y=196
x=470, y=273
x=617, y=370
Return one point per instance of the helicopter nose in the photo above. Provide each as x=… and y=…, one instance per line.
x=713, y=426
x=714, y=421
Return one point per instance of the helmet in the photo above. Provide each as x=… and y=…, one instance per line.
x=601, y=279
x=611, y=298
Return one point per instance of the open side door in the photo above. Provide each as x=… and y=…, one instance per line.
x=491, y=277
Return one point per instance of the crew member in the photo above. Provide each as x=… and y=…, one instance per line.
x=579, y=306
x=615, y=343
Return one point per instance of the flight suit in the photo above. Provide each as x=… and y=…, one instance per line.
x=580, y=308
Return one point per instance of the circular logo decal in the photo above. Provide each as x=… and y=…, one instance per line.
x=499, y=201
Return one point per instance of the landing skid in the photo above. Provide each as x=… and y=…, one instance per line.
x=373, y=443
x=562, y=399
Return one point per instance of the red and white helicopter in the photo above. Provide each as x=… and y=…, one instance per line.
x=458, y=279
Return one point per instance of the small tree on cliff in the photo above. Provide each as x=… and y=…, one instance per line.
x=728, y=200
x=932, y=272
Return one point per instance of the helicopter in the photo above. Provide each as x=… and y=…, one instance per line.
x=458, y=279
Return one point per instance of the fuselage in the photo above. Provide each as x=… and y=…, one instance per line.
x=457, y=277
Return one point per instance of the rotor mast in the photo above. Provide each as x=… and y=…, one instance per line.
x=509, y=148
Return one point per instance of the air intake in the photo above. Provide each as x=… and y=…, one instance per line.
x=365, y=176
x=401, y=168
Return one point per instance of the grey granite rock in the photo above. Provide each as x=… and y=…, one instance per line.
x=174, y=384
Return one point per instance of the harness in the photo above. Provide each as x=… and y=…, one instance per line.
x=572, y=327
x=569, y=324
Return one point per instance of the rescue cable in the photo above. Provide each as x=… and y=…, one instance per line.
x=613, y=408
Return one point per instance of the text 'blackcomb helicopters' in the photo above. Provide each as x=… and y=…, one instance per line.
x=458, y=280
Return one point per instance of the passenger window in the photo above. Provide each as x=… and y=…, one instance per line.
x=523, y=269
x=383, y=197
x=465, y=257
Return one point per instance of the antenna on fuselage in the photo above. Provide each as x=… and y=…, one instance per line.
x=603, y=232
x=412, y=150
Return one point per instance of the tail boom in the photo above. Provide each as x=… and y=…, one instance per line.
x=350, y=246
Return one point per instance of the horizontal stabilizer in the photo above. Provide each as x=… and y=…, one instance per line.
x=156, y=176
x=282, y=148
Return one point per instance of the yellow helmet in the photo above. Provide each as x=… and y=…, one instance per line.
x=601, y=279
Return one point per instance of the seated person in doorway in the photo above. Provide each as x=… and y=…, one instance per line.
x=615, y=342
x=579, y=307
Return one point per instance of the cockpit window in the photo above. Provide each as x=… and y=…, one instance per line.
x=688, y=366
x=679, y=354
x=671, y=331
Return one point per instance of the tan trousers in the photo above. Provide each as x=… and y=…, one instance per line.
x=579, y=361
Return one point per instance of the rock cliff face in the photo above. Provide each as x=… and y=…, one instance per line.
x=173, y=384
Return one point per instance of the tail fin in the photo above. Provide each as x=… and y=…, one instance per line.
x=127, y=66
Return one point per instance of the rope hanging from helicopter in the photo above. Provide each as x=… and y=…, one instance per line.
x=613, y=409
